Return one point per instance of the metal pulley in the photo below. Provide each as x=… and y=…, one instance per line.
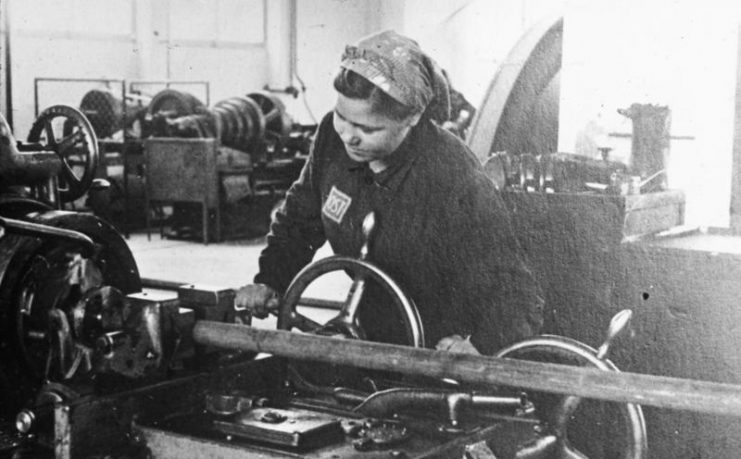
x=519, y=113
x=171, y=103
x=244, y=123
x=105, y=112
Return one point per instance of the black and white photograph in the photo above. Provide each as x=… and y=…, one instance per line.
x=372, y=229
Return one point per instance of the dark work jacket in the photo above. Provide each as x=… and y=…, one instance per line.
x=442, y=233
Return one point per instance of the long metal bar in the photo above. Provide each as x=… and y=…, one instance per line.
x=161, y=284
x=80, y=80
x=658, y=391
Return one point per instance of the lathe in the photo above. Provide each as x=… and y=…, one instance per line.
x=93, y=366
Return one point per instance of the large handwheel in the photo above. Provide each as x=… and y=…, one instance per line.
x=553, y=441
x=68, y=133
x=346, y=323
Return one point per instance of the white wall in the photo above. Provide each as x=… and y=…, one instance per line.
x=677, y=53
x=131, y=44
x=324, y=27
x=142, y=51
x=469, y=38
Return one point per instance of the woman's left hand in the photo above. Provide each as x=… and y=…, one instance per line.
x=457, y=343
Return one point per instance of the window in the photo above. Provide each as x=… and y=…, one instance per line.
x=217, y=22
x=79, y=18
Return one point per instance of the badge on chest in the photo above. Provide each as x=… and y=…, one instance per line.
x=336, y=205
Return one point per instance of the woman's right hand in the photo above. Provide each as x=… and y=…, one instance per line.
x=259, y=299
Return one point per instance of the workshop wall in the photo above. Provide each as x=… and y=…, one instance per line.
x=469, y=38
x=613, y=57
x=70, y=41
x=323, y=28
x=138, y=39
x=130, y=39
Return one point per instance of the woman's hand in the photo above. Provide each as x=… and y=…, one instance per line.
x=259, y=299
x=457, y=343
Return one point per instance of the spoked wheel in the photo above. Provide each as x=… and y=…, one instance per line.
x=559, y=413
x=346, y=324
x=65, y=131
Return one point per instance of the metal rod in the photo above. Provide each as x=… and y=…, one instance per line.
x=8, y=70
x=178, y=82
x=25, y=228
x=81, y=80
x=320, y=303
x=658, y=391
x=161, y=284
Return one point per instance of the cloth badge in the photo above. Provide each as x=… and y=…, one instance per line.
x=336, y=205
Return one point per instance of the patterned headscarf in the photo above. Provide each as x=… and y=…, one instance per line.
x=397, y=66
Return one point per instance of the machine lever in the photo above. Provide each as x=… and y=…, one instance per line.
x=25, y=228
x=618, y=325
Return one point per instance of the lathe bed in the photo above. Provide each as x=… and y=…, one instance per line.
x=248, y=407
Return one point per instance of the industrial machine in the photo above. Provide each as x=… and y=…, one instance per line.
x=261, y=152
x=94, y=366
x=260, y=148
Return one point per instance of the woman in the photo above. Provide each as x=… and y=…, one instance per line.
x=443, y=232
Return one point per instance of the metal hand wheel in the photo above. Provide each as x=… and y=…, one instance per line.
x=68, y=133
x=553, y=441
x=345, y=322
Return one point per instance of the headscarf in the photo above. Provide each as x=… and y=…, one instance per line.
x=398, y=66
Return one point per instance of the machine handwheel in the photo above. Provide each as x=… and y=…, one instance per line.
x=346, y=321
x=68, y=133
x=553, y=440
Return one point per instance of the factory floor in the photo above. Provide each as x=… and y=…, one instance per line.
x=228, y=264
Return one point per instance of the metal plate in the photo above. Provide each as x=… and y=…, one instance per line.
x=295, y=428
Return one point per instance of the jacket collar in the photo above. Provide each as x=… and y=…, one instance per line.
x=398, y=163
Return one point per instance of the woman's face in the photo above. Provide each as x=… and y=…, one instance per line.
x=368, y=135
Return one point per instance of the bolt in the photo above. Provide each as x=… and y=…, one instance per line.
x=24, y=421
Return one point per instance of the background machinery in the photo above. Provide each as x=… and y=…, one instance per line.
x=260, y=150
